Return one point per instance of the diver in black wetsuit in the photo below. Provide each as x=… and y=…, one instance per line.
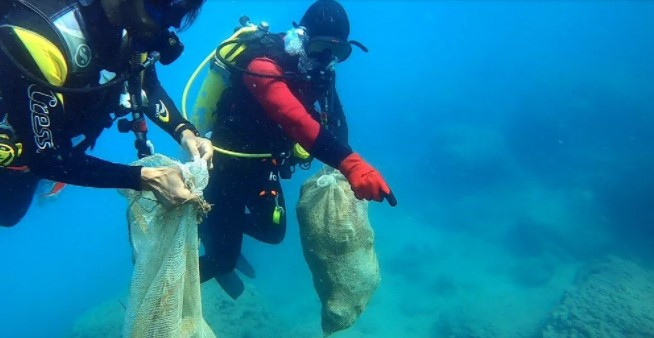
x=52, y=107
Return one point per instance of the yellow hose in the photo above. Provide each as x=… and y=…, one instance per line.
x=189, y=84
x=241, y=155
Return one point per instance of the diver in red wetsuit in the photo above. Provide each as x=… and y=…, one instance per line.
x=282, y=94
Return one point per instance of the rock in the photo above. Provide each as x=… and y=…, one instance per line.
x=461, y=326
x=247, y=317
x=611, y=298
x=106, y=320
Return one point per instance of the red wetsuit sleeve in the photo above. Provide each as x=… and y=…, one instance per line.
x=280, y=104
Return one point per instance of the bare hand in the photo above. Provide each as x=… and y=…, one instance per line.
x=167, y=185
x=198, y=147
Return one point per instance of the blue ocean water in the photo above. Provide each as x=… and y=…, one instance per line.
x=517, y=137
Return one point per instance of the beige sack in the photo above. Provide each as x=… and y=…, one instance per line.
x=164, y=298
x=337, y=241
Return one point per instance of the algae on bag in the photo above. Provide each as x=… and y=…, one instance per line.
x=164, y=296
x=337, y=241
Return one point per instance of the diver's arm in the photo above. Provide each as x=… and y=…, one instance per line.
x=285, y=109
x=49, y=153
x=63, y=163
x=85, y=170
x=162, y=109
x=75, y=167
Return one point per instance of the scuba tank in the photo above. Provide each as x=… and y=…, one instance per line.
x=217, y=79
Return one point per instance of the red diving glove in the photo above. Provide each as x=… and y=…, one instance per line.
x=367, y=183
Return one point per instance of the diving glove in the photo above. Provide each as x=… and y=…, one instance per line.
x=366, y=182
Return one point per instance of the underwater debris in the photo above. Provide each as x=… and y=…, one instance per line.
x=337, y=241
x=165, y=298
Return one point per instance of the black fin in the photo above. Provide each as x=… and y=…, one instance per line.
x=232, y=284
x=245, y=267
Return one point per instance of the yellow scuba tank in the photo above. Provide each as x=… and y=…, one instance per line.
x=213, y=86
x=216, y=81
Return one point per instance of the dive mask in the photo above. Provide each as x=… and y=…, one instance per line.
x=327, y=48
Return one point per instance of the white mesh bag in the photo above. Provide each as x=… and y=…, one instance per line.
x=165, y=299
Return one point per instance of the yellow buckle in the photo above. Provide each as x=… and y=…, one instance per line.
x=278, y=212
x=300, y=152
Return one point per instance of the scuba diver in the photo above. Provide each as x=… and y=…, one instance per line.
x=277, y=103
x=70, y=68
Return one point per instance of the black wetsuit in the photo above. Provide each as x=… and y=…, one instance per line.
x=244, y=191
x=49, y=126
